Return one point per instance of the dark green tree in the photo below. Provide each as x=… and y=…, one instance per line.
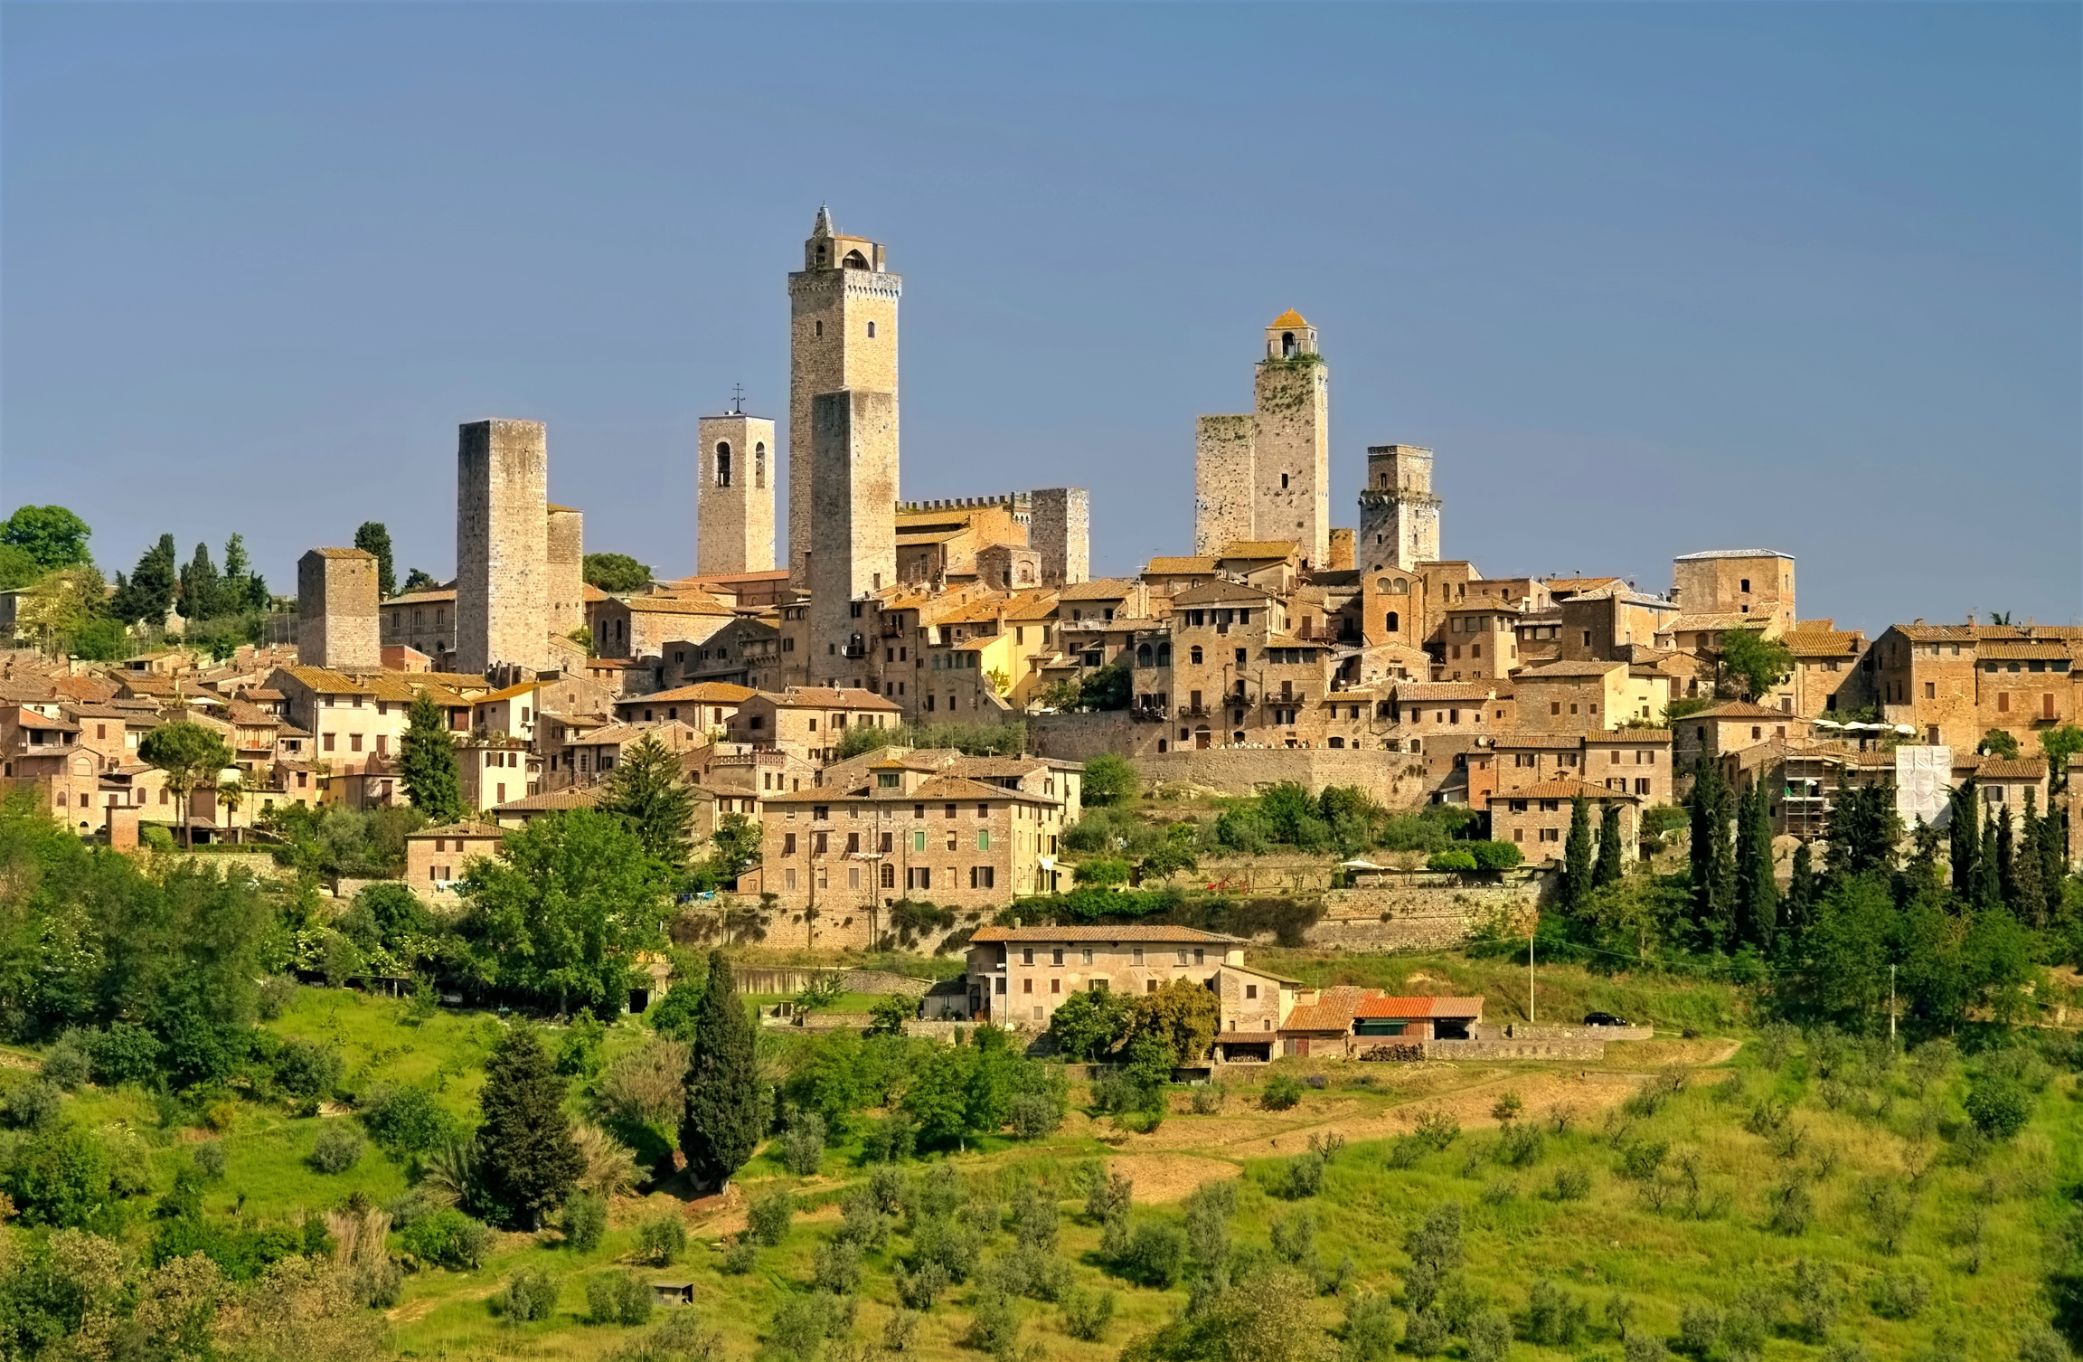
x=1998, y=742
x=2053, y=865
x=373, y=537
x=733, y=850
x=1864, y=830
x=1757, y=892
x=1753, y=663
x=2007, y=886
x=2059, y=744
x=148, y=593
x=1919, y=881
x=1964, y=836
x=191, y=755
x=243, y=587
x=1109, y=779
x=1577, y=857
x=201, y=587
x=616, y=572
x=1713, y=860
x=527, y=1160
x=726, y=1108
x=419, y=579
x=1612, y=856
x=427, y=763
x=50, y=536
x=2029, y=899
x=1988, y=886
x=646, y=791
x=1801, y=890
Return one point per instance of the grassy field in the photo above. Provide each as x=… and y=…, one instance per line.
x=1737, y=1113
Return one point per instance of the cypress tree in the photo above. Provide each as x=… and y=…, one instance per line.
x=2030, y=902
x=527, y=1159
x=725, y=1113
x=1919, y=882
x=201, y=588
x=1576, y=856
x=1988, y=887
x=427, y=763
x=1801, y=891
x=2006, y=858
x=645, y=790
x=1713, y=874
x=373, y=537
x=1757, y=892
x=1612, y=867
x=1963, y=837
x=2053, y=863
x=149, y=593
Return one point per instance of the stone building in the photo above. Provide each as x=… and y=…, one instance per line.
x=502, y=545
x=842, y=337
x=1399, y=513
x=424, y=621
x=564, y=588
x=1268, y=475
x=853, y=455
x=1755, y=582
x=734, y=494
x=1019, y=976
x=1536, y=818
x=336, y=610
x=1061, y=532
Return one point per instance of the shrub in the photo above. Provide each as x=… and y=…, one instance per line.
x=1208, y=1098
x=585, y=1220
x=1426, y=1333
x=1699, y=1328
x=338, y=1148
x=124, y=1053
x=1489, y=1336
x=69, y=1062
x=1452, y=859
x=1370, y=1328
x=1494, y=855
x=1520, y=1146
x=662, y=1239
x=837, y=1267
x=1034, y=1114
x=1571, y=1184
x=32, y=1105
x=617, y=1298
x=404, y=1121
x=899, y=1330
x=1899, y=1295
x=1998, y=1104
x=530, y=1294
x=1303, y=1176
x=308, y=1069
x=1086, y=1314
x=1555, y=1318
x=446, y=1238
x=803, y=1144
x=767, y=1219
x=994, y=1323
x=919, y=1287
x=1156, y=1255
x=1281, y=1092
x=741, y=1257
x=209, y=1160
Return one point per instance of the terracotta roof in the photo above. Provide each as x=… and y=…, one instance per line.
x=1290, y=318
x=1273, y=549
x=29, y=718
x=828, y=697
x=402, y=686
x=1561, y=789
x=2006, y=768
x=1731, y=553
x=1629, y=735
x=1220, y=593
x=1128, y=932
x=345, y=553
x=678, y=605
x=1098, y=589
x=1333, y=1011
x=574, y=797
x=1715, y=621
x=1421, y=1005
x=1178, y=566
x=1580, y=585
x=1414, y=691
x=615, y=735
x=943, y=788
x=1563, y=742
x=2009, y=650
x=1741, y=709
x=460, y=830
x=1566, y=671
x=512, y=692
x=1937, y=633
x=424, y=596
x=701, y=692
x=1822, y=642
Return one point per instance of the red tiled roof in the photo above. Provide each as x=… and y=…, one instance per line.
x=1332, y=1012
x=1131, y=932
x=1421, y=1005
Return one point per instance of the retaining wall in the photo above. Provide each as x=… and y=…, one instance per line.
x=794, y=979
x=1514, y=1049
x=1427, y=910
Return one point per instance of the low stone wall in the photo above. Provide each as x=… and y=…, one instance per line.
x=1427, y=910
x=729, y=921
x=1522, y=1031
x=1081, y=737
x=258, y=862
x=794, y=979
x=1514, y=1049
x=1395, y=779
x=1259, y=875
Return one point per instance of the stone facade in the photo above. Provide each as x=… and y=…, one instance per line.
x=1342, y=557
x=734, y=494
x=1426, y=910
x=1399, y=514
x=853, y=451
x=1291, y=441
x=1222, y=482
x=336, y=610
x=843, y=335
x=565, y=587
x=502, y=545
x=1060, y=530
x=1754, y=582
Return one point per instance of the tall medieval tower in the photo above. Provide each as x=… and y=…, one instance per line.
x=1399, y=514
x=734, y=494
x=842, y=337
x=854, y=548
x=1268, y=475
x=502, y=545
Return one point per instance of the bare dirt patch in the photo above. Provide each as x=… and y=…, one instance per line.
x=1169, y=1177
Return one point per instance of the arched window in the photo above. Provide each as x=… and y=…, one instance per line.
x=854, y=261
x=1164, y=654
x=1394, y=622
x=759, y=464
x=1382, y=586
x=1402, y=585
x=1143, y=655
x=1287, y=344
x=723, y=463
x=871, y=331
x=1195, y=655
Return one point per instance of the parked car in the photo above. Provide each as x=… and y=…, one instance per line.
x=1604, y=1019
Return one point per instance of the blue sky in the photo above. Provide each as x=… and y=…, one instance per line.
x=1649, y=279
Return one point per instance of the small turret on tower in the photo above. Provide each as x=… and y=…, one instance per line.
x=1290, y=336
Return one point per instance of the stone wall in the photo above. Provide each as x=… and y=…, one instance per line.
x=1514, y=1049
x=336, y=610
x=1390, y=778
x=502, y=544
x=1525, y=1032
x=1425, y=910
x=796, y=978
x=565, y=587
x=1060, y=529
x=1222, y=482
x=1291, y=456
x=726, y=921
x=853, y=449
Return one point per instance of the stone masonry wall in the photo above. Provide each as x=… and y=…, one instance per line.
x=502, y=544
x=565, y=587
x=854, y=546
x=1291, y=456
x=336, y=610
x=1060, y=529
x=1426, y=910
x=829, y=350
x=734, y=524
x=1223, y=478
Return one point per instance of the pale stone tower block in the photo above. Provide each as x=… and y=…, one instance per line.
x=566, y=586
x=336, y=610
x=1341, y=557
x=1222, y=482
x=502, y=545
x=842, y=335
x=734, y=494
x=1291, y=444
x=853, y=443
x=1399, y=514
x=1060, y=529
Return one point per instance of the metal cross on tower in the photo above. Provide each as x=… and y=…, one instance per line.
x=737, y=399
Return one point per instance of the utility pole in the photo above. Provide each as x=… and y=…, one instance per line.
x=1529, y=978
x=1891, y=1004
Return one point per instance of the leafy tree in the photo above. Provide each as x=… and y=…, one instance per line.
x=1864, y=830
x=373, y=537
x=726, y=1108
x=149, y=592
x=733, y=850
x=427, y=762
x=65, y=610
x=190, y=754
x=201, y=588
x=1577, y=857
x=1753, y=662
x=17, y=568
x=62, y=1176
x=645, y=791
x=1089, y=1024
x=563, y=910
x=616, y=572
x=1757, y=891
x=1801, y=889
x=1841, y=976
x=49, y=536
x=419, y=579
x=1182, y=1014
x=1611, y=867
x=527, y=1161
x=1998, y=743
x=1109, y=779
x=244, y=589
x=2059, y=744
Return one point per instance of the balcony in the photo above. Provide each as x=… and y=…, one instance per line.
x=1193, y=711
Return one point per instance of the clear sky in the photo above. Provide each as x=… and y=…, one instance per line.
x=1650, y=279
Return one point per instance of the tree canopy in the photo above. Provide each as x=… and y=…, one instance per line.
x=427, y=763
x=373, y=537
x=616, y=572
x=726, y=1109
x=48, y=536
x=646, y=791
x=1754, y=663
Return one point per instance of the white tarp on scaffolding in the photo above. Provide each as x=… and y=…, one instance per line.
x=1922, y=775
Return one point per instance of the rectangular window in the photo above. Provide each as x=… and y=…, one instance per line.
x=1027, y=986
x=1251, y=990
x=1055, y=986
x=1137, y=957
x=918, y=840
x=983, y=839
x=1027, y=955
x=1056, y=957
x=1086, y=955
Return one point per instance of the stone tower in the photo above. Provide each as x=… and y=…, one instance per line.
x=1399, y=515
x=1268, y=475
x=565, y=588
x=502, y=545
x=853, y=550
x=842, y=335
x=734, y=494
x=1060, y=529
x=336, y=610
